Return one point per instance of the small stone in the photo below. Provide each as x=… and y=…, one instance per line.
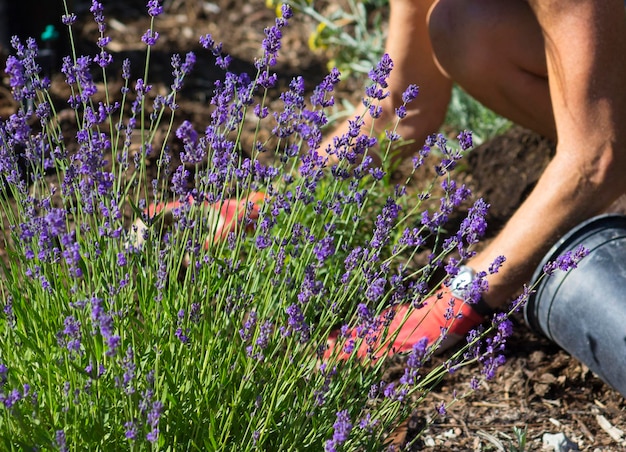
x=559, y=443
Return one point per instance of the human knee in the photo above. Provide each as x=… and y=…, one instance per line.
x=459, y=33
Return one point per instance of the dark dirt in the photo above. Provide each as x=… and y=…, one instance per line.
x=541, y=388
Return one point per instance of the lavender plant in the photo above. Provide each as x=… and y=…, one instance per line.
x=115, y=336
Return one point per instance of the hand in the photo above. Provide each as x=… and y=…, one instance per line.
x=222, y=218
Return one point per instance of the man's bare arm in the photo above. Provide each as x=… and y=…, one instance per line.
x=586, y=56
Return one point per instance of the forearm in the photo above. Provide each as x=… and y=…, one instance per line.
x=550, y=211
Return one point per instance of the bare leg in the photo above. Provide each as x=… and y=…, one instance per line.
x=408, y=45
x=494, y=50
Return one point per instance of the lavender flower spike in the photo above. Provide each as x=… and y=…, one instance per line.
x=154, y=8
x=342, y=428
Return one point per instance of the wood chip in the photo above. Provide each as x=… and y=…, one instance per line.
x=491, y=405
x=583, y=428
x=117, y=25
x=554, y=421
x=551, y=402
x=600, y=404
x=492, y=439
x=615, y=433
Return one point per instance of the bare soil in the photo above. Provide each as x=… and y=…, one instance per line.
x=541, y=388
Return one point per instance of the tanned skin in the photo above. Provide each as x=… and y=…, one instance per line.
x=554, y=66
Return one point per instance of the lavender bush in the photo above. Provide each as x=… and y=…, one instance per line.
x=115, y=336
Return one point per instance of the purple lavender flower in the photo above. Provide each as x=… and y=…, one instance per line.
x=319, y=395
x=389, y=391
x=384, y=223
x=475, y=289
x=318, y=98
x=521, y=299
x=310, y=286
x=297, y=323
x=146, y=398
x=121, y=259
x=130, y=369
x=265, y=332
x=263, y=241
x=504, y=325
x=374, y=390
x=130, y=430
x=342, y=428
x=272, y=42
x=181, y=70
x=154, y=8
x=71, y=335
x=59, y=440
x=494, y=267
x=490, y=352
x=179, y=181
x=153, y=435
x=376, y=111
x=491, y=363
x=324, y=249
x=222, y=61
x=126, y=69
x=195, y=313
x=474, y=226
x=414, y=362
x=23, y=69
x=4, y=371
x=78, y=72
x=379, y=76
x=376, y=289
x=98, y=14
x=181, y=335
x=566, y=261
x=7, y=310
x=103, y=59
x=286, y=11
x=194, y=150
x=419, y=159
x=289, y=120
x=17, y=80
x=247, y=331
x=450, y=156
x=207, y=42
x=380, y=73
x=102, y=321
x=10, y=399
x=150, y=37
x=410, y=93
x=465, y=140
x=155, y=413
x=367, y=423
x=69, y=19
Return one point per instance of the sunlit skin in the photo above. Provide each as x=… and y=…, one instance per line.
x=556, y=67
